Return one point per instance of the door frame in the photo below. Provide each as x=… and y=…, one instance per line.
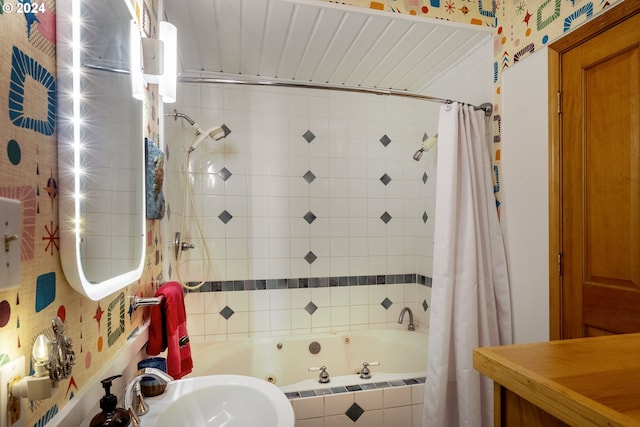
x=610, y=18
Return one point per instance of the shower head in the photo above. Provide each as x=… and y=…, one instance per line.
x=427, y=144
x=216, y=133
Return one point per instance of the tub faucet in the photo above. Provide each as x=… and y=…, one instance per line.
x=133, y=399
x=411, y=326
x=323, y=378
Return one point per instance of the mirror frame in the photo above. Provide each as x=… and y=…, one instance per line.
x=69, y=107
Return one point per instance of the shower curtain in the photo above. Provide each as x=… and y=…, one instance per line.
x=470, y=297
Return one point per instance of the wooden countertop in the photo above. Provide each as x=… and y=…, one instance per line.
x=583, y=382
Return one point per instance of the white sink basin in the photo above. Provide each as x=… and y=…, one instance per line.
x=219, y=400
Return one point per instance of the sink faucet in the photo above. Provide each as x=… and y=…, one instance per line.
x=133, y=399
x=411, y=326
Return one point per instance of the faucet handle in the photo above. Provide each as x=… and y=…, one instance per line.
x=365, y=372
x=323, y=378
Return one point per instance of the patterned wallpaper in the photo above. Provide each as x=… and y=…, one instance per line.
x=28, y=172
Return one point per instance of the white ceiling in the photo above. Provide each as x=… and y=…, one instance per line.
x=317, y=41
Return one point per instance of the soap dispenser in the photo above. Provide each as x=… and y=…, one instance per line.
x=111, y=416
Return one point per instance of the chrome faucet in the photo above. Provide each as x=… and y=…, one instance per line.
x=133, y=398
x=411, y=326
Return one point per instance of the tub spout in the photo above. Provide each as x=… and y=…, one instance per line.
x=133, y=399
x=411, y=326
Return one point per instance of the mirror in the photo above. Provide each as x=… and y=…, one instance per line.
x=100, y=148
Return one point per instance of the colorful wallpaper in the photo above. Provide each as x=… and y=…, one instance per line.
x=28, y=172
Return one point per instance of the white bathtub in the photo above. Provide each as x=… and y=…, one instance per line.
x=402, y=355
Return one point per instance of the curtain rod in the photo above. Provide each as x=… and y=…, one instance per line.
x=487, y=107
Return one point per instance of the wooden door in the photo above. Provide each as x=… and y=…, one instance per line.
x=599, y=183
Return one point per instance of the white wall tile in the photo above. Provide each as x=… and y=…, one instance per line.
x=238, y=323
x=417, y=394
x=416, y=414
x=310, y=407
x=335, y=404
x=373, y=419
x=310, y=422
x=396, y=396
x=370, y=399
x=267, y=196
x=340, y=316
x=359, y=314
x=337, y=421
x=214, y=302
x=214, y=324
x=340, y=296
x=259, y=321
x=280, y=299
x=398, y=416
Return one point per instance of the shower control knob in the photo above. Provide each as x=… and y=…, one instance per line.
x=186, y=246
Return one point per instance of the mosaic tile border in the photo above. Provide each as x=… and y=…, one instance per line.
x=354, y=388
x=310, y=282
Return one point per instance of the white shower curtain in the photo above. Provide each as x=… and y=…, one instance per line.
x=470, y=299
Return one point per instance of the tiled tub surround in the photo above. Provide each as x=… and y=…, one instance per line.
x=222, y=315
x=396, y=405
x=307, y=184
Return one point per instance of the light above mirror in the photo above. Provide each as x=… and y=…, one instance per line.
x=100, y=148
x=155, y=61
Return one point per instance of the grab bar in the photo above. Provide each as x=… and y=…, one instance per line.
x=137, y=301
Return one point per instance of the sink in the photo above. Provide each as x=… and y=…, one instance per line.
x=219, y=401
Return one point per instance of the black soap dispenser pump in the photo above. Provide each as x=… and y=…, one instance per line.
x=111, y=416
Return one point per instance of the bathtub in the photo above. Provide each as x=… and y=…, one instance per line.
x=285, y=360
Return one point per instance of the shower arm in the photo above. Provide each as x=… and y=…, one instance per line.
x=177, y=115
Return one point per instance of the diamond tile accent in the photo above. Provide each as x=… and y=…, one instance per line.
x=386, y=179
x=385, y=140
x=309, y=217
x=309, y=136
x=226, y=130
x=425, y=306
x=385, y=217
x=310, y=257
x=386, y=303
x=425, y=177
x=225, y=216
x=311, y=307
x=225, y=174
x=425, y=217
x=354, y=412
x=309, y=177
x=226, y=312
